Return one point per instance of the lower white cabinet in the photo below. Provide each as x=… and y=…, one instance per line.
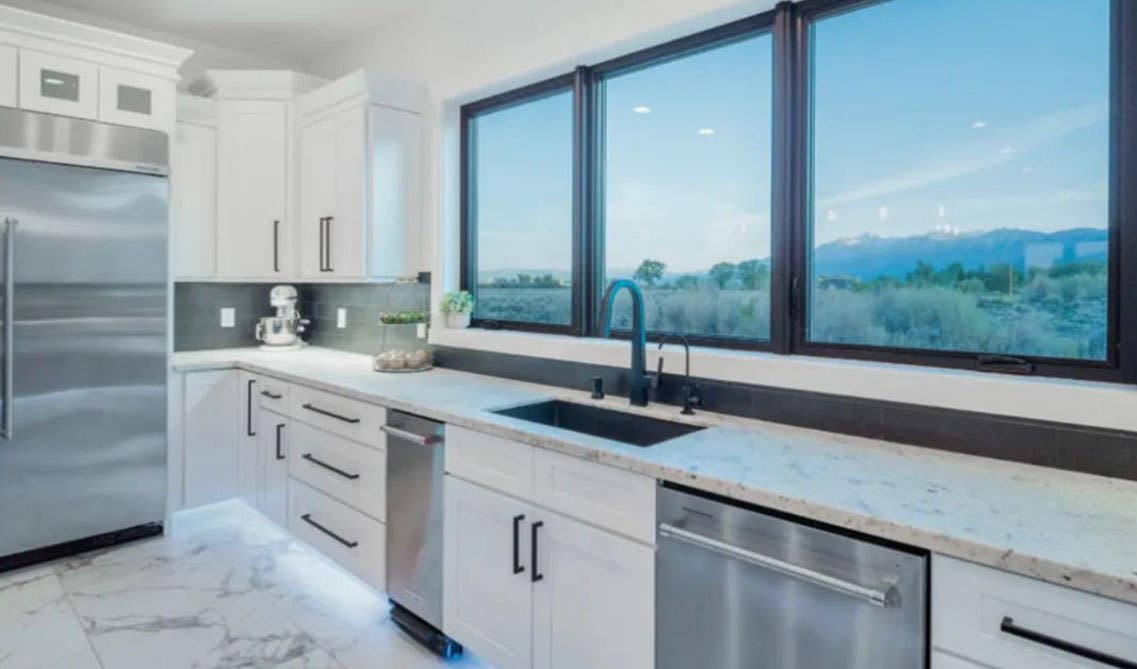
x=249, y=458
x=488, y=598
x=210, y=414
x=529, y=587
x=354, y=540
x=272, y=440
x=1005, y=621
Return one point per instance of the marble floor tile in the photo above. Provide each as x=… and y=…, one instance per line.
x=224, y=587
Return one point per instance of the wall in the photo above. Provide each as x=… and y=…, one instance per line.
x=197, y=321
x=465, y=51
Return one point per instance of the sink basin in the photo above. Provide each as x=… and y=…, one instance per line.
x=616, y=425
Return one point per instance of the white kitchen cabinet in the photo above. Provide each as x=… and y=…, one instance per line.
x=273, y=439
x=249, y=459
x=332, y=198
x=253, y=239
x=210, y=412
x=986, y=616
x=490, y=460
x=132, y=98
x=360, y=181
x=594, y=605
x=356, y=541
x=488, y=602
x=193, y=200
x=9, y=72
x=57, y=84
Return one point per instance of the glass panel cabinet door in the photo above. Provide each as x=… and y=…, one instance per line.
x=58, y=85
x=130, y=98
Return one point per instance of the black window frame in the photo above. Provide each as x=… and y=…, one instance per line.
x=790, y=26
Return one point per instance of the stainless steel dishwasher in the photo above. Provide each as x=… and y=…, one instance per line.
x=738, y=588
x=414, y=528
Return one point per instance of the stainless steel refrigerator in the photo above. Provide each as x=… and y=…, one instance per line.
x=83, y=219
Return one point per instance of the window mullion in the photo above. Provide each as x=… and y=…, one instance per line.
x=788, y=201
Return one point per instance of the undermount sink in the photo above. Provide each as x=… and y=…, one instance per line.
x=616, y=425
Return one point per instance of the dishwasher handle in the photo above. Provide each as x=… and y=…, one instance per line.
x=414, y=438
x=870, y=595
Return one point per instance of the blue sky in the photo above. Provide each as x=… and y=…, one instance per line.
x=965, y=115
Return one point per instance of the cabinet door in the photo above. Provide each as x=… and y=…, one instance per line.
x=344, y=237
x=58, y=85
x=317, y=178
x=252, y=189
x=130, y=98
x=594, y=605
x=395, y=249
x=8, y=74
x=210, y=419
x=272, y=436
x=249, y=460
x=193, y=201
x=488, y=604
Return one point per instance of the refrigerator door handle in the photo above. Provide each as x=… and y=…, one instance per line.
x=9, y=319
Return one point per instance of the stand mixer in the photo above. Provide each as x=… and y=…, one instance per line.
x=282, y=331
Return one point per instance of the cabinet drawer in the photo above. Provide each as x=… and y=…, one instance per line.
x=340, y=532
x=982, y=613
x=604, y=496
x=58, y=85
x=130, y=98
x=942, y=660
x=352, y=473
x=501, y=464
x=341, y=415
x=8, y=74
x=272, y=394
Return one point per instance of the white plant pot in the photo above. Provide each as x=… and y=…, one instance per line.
x=458, y=320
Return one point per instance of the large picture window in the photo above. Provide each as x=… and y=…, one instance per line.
x=961, y=171
x=686, y=155
x=910, y=181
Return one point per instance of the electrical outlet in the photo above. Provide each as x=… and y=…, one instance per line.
x=421, y=330
x=228, y=317
x=341, y=318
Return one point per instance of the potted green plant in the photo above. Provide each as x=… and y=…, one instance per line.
x=458, y=306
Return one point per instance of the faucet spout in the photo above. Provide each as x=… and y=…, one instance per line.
x=638, y=386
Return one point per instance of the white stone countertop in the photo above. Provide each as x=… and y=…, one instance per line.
x=1068, y=528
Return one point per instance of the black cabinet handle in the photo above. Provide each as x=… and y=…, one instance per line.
x=321, y=463
x=276, y=246
x=307, y=518
x=1008, y=626
x=249, y=431
x=328, y=243
x=537, y=575
x=323, y=243
x=271, y=395
x=517, y=568
x=279, y=428
x=329, y=414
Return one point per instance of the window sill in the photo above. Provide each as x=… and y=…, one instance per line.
x=1089, y=403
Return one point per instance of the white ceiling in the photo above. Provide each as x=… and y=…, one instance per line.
x=292, y=31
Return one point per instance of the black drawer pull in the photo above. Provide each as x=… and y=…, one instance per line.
x=279, y=428
x=271, y=395
x=517, y=568
x=307, y=518
x=1008, y=626
x=537, y=575
x=321, y=463
x=329, y=414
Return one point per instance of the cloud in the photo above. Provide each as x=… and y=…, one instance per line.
x=971, y=157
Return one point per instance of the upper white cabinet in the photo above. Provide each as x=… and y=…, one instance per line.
x=61, y=67
x=130, y=98
x=9, y=72
x=253, y=233
x=58, y=84
x=360, y=180
x=193, y=192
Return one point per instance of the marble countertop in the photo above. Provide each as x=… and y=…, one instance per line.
x=1068, y=528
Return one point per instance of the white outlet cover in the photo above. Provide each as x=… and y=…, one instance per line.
x=341, y=318
x=228, y=317
x=421, y=330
